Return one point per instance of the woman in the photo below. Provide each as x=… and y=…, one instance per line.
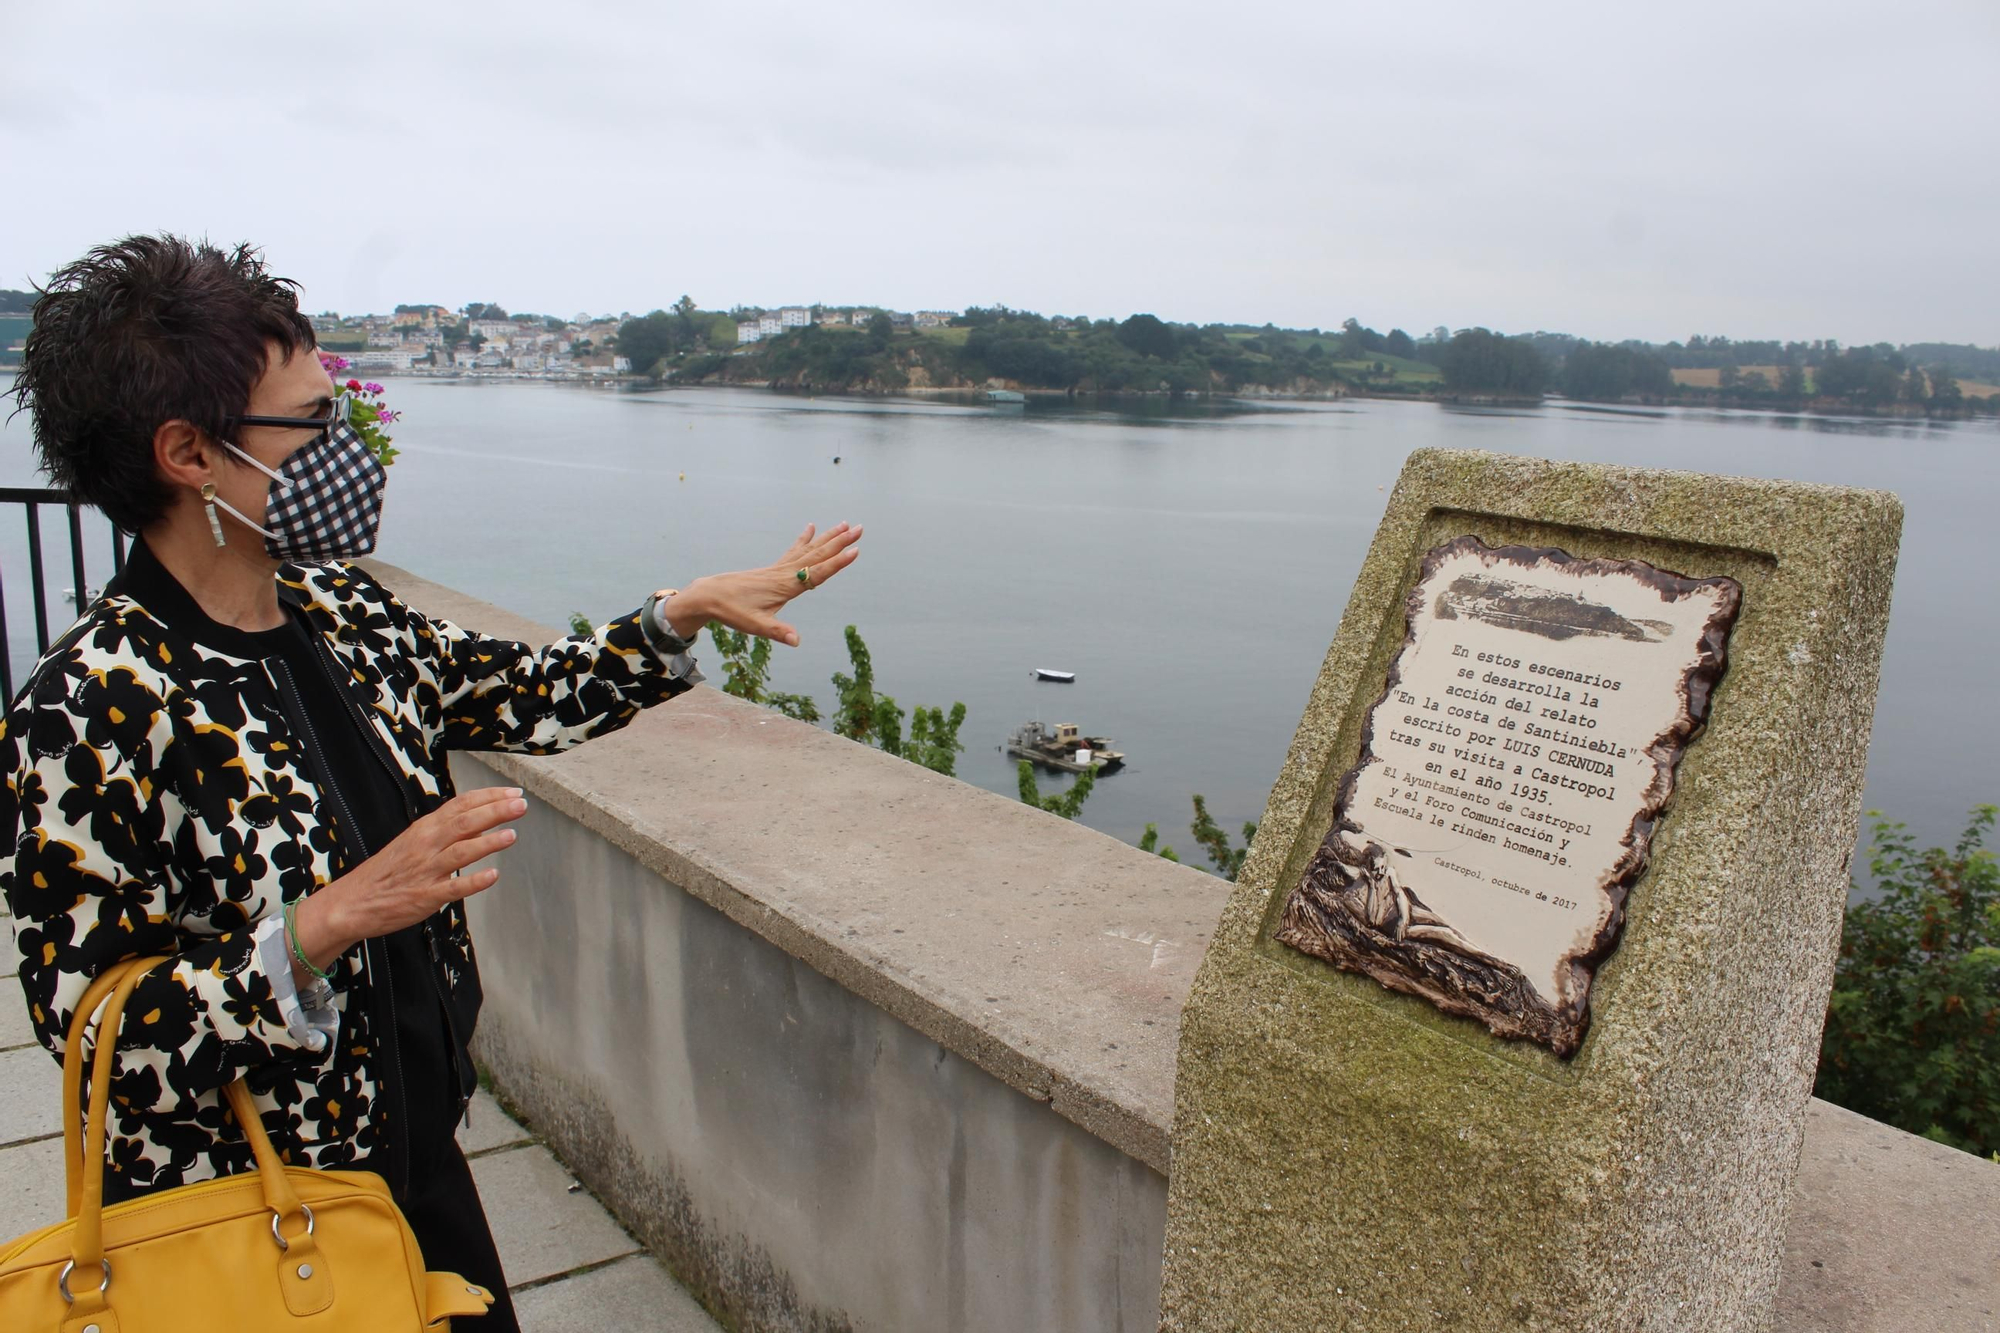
x=238, y=757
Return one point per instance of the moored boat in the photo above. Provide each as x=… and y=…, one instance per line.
x=1060, y=677
x=1066, y=748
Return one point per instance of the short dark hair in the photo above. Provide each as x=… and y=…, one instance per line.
x=147, y=330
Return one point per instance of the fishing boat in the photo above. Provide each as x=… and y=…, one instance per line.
x=1005, y=396
x=1065, y=749
x=1059, y=677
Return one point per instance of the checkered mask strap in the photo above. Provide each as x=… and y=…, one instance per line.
x=333, y=507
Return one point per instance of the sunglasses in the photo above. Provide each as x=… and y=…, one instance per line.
x=339, y=408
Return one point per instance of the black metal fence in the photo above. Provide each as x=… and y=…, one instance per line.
x=80, y=591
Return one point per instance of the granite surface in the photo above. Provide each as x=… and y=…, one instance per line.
x=1348, y=1158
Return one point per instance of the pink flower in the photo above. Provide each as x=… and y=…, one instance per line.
x=332, y=362
x=371, y=387
x=386, y=414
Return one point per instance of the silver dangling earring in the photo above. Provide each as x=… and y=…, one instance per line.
x=214, y=523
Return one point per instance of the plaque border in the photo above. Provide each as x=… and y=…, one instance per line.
x=1316, y=920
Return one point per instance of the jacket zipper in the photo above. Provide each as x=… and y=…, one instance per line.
x=384, y=1016
x=462, y=1084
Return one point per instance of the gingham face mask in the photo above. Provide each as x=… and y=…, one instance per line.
x=326, y=502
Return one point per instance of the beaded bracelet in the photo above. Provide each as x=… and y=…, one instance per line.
x=291, y=914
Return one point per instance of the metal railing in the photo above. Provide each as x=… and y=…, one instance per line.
x=32, y=499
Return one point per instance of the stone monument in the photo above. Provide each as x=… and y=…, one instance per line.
x=1511, y=1020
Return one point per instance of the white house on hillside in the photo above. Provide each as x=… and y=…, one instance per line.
x=794, y=317
x=769, y=326
x=746, y=331
x=832, y=317
x=935, y=319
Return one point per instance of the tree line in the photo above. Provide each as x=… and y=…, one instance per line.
x=1143, y=353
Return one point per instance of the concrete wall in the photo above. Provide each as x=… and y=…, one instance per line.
x=801, y=1159
x=854, y=1046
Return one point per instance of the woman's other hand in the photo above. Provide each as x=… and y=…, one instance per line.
x=411, y=878
x=750, y=599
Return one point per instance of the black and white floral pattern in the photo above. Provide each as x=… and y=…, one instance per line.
x=157, y=802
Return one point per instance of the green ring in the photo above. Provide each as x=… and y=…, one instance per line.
x=805, y=576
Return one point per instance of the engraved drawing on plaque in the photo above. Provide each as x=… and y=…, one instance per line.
x=1509, y=781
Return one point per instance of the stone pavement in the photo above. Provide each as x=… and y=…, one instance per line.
x=572, y=1267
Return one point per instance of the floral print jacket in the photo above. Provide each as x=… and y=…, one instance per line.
x=157, y=802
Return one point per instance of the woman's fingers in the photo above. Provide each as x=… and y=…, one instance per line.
x=466, y=851
x=837, y=539
x=464, y=886
x=826, y=569
x=800, y=543
x=810, y=548
x=477, y=811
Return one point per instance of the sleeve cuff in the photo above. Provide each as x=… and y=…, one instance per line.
x=310, y=1017
x=680, y=662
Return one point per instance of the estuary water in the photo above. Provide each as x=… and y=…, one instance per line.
x=1189, y=562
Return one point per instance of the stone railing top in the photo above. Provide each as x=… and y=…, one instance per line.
x=1057, y=959
x=1052, y=956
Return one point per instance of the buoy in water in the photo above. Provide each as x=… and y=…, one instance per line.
x=836, y=458
x=684, y=476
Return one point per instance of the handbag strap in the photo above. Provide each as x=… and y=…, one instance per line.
x=83, y=1143
x=79, y=1026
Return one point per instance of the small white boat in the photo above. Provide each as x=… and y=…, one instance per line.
x=1060, y=677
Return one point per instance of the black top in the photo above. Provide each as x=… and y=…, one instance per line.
x=369, y=812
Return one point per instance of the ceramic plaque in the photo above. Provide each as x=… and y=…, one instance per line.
x=1509, y=781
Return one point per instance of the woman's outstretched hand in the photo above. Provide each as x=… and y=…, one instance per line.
x=750, y=599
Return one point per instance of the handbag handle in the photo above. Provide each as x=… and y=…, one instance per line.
x=83, y=1145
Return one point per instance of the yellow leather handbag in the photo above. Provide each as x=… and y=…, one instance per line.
x=285, y=1248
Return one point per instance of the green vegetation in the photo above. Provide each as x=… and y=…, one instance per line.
x=861, y=715
x=15, y=303
x=746, y=673
x=655, y=341
x=1142, y=354
x=1145, y=354
x=1228, y=860
x=1063, y=804
x=1481, y=362
x=13, y=329
x=1149, y=841
x=1913, y=1032
x=1386, y=371
x=1608, y=374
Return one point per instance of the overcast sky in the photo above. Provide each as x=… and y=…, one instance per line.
x=1824, y=169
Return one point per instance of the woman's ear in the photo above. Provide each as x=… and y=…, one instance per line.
x=183, y=455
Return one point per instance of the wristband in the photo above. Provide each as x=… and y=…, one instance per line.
x=291, y=913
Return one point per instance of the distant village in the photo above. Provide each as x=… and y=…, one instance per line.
x=434, y=340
